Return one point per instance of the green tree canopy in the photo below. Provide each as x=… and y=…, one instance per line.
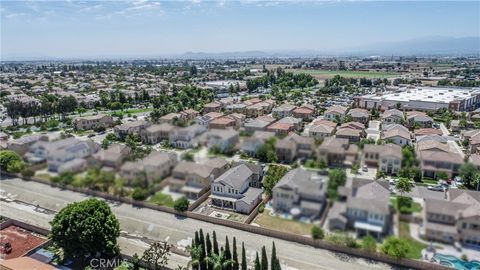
x=11, y=161
x=86, y=229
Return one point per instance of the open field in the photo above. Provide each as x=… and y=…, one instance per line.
x=284, y=225
x=327, y=74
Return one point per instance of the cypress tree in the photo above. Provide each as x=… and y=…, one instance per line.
x=196, y=241
x=264, y=259
x=228, y=254
x=215, y=243
x=244, y=258
x=273, y=260
x=234, y=254
x=257, y=263
x=208, y=245
x=203, y=265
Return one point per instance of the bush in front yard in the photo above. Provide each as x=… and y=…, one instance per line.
x=140, y=194
x=27, y=172
x=404, y=204
x=181, y=204
x=261, y=208
x=317, y=232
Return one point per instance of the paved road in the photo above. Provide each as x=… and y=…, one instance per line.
x=163, y=226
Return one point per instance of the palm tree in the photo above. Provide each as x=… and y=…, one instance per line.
x=219, y=262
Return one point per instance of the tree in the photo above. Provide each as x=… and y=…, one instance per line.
x=264, y=261
x=219, y=261
x=135, y=262
x=181, y=204
x=369, y=243
x=337, y=177
x=156, y=256
x=403, y=186
x=11, y=162
x=468, y=174
x=395, y=247
x=317, y=232
x=196, y=256
x=86, y=229
x=257, y=265
x=208, y=245
x=273, y=260
x=274, y=174
x=244, y=258
x=215, y=243
x=235, y=254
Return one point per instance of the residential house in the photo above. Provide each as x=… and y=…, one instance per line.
x=62, y=153
x=232, y=190
x=436, y=157
x=392, y=116
x=113, y=156
x=223, y=123
x=305, y=112
x=134, y=128
x=294, y=146
x=427, y=131
x=419, y=119
x=207, y=118
x=194, y=179
x=295, y=122
x=186, y=137
x=397, y=134
x=387, y=157
x=283, y=110
x=454, y=219
x=157, y=133
x=335, y=113
x=258, y=109
x=300, y=189
x=93, y=122
x=364, y=207
x=359, y=115
x=212, y=107
x=352, y=135
x=473, y=139
x=259, y=123
x=236, y=108
x=321, y=129
x=258, y=171
x=252, y=143
x=170, y=118
x=22, y=145
x=156, y=166
x=188, y=115
x=337, y=152
x=222, y=139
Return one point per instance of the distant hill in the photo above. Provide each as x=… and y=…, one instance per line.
x=424, y=46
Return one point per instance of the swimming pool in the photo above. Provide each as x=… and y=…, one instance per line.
x=452, y=261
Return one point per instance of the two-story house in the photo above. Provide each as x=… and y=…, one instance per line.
x=392, y=116
x=335, y=113
x=222, y=139
x=134, y=127
x=156, y=166
x=93, y=122
x=156, y=133
x=186, y=137
x=232, y=190
x=301, y=189
x=387, y=158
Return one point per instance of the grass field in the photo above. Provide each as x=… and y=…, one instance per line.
x=284, y=225
x=327, y=74
x=162, y=199
x=415, y=247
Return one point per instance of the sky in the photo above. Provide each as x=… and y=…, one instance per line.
x=157, y=28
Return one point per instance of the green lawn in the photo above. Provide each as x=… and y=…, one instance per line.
x=162, y=199
x=415, y=247
x=284, y=225
x=415, y=208
x=43, y=176
x=349, y=74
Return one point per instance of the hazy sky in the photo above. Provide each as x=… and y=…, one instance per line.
x=115, y=28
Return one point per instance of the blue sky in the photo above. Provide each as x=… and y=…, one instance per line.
x=147, y=28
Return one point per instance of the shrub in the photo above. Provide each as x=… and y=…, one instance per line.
x=369, y=243
x=181, y=204
x=404, y=204
x=27, y=172
x=317, y=232
x=261, y=208
x=464, y=257
x=395, y=247
x=63, y=179
x=140, y=194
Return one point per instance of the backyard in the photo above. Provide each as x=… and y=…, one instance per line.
x=284, y=225
x=415, y=247
x=162, y=199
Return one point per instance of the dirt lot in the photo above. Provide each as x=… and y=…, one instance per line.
x=21, y=240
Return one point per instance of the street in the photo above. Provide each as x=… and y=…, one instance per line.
x=158, y=225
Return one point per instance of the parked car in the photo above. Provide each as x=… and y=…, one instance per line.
x=436, y=188
x=365, y=168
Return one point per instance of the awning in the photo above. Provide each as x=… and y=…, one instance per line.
x=223, y=198
x=368, y=227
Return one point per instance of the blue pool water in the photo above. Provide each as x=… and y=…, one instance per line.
x=455, y=262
